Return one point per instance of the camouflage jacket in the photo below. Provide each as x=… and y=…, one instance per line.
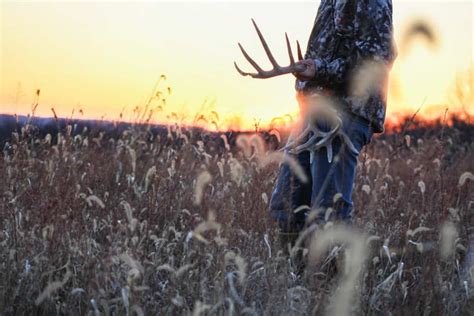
x=352, y=46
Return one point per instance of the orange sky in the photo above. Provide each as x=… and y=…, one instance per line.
x=104, y=56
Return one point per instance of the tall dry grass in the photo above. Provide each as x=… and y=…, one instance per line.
x=177, y=223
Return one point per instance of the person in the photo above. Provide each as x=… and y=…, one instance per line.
x=349, y=55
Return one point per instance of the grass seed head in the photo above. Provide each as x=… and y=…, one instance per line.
x=448, y=237
x=202, y=181
x=464, y=177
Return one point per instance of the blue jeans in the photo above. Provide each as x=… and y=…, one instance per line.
x=325, y=179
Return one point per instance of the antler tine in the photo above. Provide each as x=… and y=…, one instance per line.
x=300, y=55
x=348, y=142
x=243, y=73
x=265, y=46
x=291, y=144
x=290, y=52
x=250, y=60
x=317, y=133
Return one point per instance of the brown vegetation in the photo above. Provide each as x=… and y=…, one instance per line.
x=178, y=224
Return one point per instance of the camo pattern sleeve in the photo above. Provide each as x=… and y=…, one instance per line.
x=352, y=46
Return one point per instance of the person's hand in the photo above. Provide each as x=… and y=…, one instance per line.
x=309, y=72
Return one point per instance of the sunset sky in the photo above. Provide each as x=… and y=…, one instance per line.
x=104, y=56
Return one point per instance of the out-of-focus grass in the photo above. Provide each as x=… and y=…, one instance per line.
x=178, y=223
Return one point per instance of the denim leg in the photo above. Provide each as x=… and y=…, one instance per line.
x=329, y=179
x=290, y=193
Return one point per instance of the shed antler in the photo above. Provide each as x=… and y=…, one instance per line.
x=313, y=139
x=319, y=139
x=277, y=69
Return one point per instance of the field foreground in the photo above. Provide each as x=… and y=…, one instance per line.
x=177, y=223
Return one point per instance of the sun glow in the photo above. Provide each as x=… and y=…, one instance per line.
x=103, y=59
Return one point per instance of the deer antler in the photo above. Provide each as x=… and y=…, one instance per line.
x=320, y=139
x=277, y=69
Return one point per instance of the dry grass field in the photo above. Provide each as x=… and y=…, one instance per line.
x=177, y=223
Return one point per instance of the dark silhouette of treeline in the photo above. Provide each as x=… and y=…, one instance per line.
x=39, y=127
x=460, y=131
